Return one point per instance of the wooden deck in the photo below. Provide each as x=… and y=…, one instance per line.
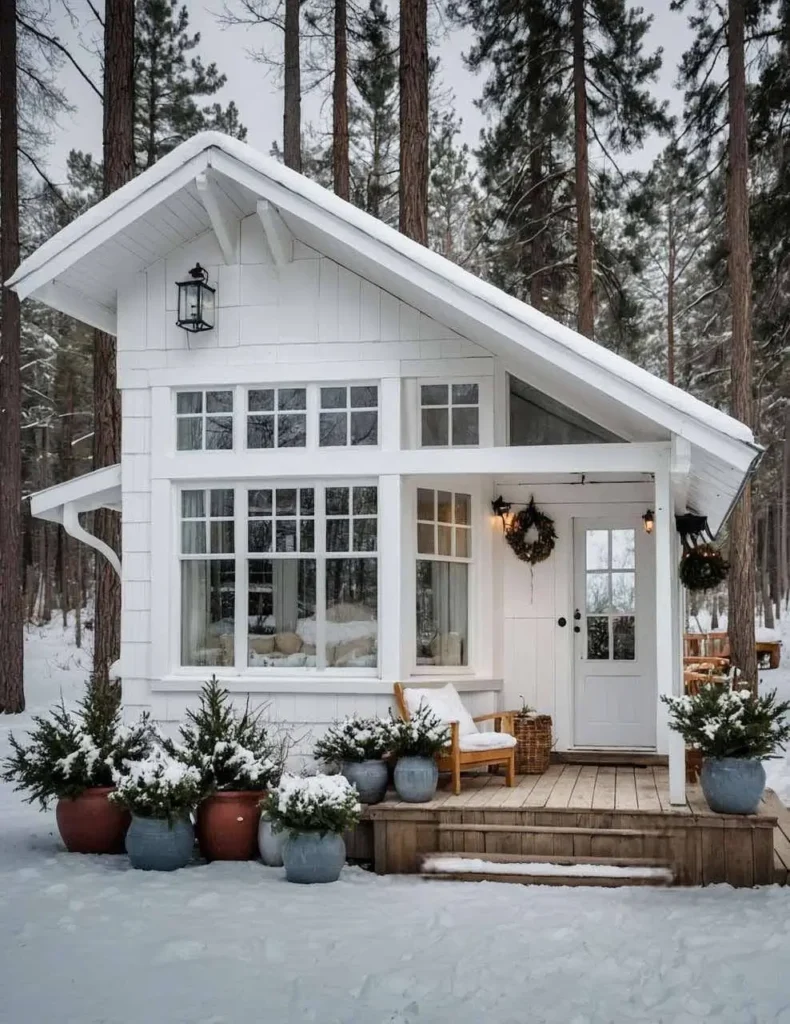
x=582, y=811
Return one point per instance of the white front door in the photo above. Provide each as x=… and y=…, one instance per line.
x=614, y=634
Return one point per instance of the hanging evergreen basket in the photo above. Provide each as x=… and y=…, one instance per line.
x=703, y=567
x=531, y=535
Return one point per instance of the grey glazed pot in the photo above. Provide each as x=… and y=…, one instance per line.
x=416, y=779
x=732, y=785
x=270, y=843
x=154, y=844
x=311, y=857
x=370, y=778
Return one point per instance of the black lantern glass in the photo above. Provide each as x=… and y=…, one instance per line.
x=196, y=301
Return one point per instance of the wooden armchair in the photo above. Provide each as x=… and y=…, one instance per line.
x=454, y=759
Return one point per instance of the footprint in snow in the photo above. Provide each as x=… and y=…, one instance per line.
x=27, y=873
x=181, y=950
x=76, y=905
x=56, y=890
x=206, y=900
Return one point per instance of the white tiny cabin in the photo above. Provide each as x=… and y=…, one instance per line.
x=306, y=485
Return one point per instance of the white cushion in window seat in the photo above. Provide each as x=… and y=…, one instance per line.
x=487, y=741
x=445, y=703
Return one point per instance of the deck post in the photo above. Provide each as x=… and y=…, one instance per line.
x=668, y=664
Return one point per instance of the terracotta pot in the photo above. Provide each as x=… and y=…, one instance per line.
x=91, y=824
x=227, y=825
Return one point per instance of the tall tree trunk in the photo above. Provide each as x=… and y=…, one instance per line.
x=12, y=693
x=742, y=578
x=765, y=582
x=341, y=174
x=774, y=568
x=118, y=136
x=537, y=203
x=671, y=295
x=292, y=90
x=584, y=239
x=413, y=74
x=783, y=512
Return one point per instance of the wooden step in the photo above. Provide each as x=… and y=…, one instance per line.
x=612, y=871
x=563, y=830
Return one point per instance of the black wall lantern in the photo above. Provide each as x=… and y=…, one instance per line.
x=196, y=301
x=501, y=508
x=649, y=521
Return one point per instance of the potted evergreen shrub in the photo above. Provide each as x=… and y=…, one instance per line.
x=356, y=746
x=75, y=758
x=160, y=792
x=416, y=743
x=314, y=812
x=734, y=729
x=238, y=755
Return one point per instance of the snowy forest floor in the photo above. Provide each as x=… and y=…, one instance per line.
x=87, y=939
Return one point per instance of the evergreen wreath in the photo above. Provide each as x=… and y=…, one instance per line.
x=703, y=567
x=528, y=520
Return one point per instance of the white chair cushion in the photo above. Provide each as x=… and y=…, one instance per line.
x=487, y=741
x=445, y=703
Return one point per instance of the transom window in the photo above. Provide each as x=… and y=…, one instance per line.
x=449, y=415
x=349, y=416
x=204, y=420
x=277, y=418
x=610, y=591
x=444, y=552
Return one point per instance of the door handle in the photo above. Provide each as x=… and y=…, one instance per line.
x=562, y=621
x=577, y=629
x=577, y=615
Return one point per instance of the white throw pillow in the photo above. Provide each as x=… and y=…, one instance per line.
x=445, y=703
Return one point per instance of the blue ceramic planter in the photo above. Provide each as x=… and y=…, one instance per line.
x=310, y=857
x=370, y=778
x=154, y=844
x=270, y=843
x=416, y=779
x=732, y=785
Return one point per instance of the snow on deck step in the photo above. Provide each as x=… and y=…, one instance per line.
x=545, y=870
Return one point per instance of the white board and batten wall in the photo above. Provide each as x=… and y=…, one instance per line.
x=310, y=320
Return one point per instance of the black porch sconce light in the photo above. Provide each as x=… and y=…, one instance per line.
x=196, y=301
x=501, y=508
x=649, y=520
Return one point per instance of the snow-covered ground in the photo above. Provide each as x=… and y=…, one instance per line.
x=87, y=939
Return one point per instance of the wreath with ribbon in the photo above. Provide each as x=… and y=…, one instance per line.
x=703, y=567
x=531, y=535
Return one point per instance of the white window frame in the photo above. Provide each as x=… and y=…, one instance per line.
x=452, y=486
x=448, y=382
x=241, y=555
x=203, y=416
x=275, y=414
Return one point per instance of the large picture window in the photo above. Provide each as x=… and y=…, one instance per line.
x=208, y=577
x=444, y=553
x=305, y=562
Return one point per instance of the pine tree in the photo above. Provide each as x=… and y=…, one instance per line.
x=452, y=196
x=169, y=82
x=12, y=694
x=414, y=128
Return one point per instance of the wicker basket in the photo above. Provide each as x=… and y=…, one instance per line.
x=533, y=744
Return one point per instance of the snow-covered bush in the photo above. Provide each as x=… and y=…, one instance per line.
x=319, y=803
x=158, y=787
x=68, y=752
x=423, y=735
x=231, y=750
x=730, y=721
x=354, y=739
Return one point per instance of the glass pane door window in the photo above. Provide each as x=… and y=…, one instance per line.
x=610, y=594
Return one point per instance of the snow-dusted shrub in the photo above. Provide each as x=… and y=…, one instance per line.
x=231, y=750
x=68, y=752
x=354, y=739
x=319, y=803
x=423, y=735
x=724, y=720
x=159, y=786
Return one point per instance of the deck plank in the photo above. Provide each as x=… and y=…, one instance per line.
x=542, y=790
x=469, y=789
x=582, y=795
x=603, y=795
x=519, y=794
x=563, y=788
x=625, y=790
x=646, y=793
